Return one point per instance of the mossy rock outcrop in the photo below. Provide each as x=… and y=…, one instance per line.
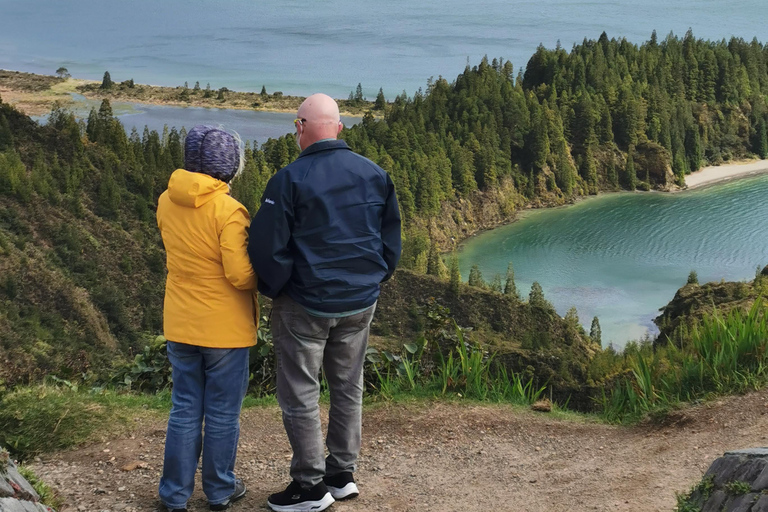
x=16, y=494
x=693, y=301
x=736, y=482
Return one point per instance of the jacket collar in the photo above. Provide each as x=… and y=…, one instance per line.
x=324, y=145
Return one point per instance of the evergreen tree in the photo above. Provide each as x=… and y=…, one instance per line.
x=760, y=145
x=359, y=95
x=63, y=72
x=455, y=286
x=106, y=82
x=421, y=262
x=263, y=92
x=495, y=285
x=679, y=168
x=631, y=177
x=476, y=277
x=381, y=102
x=590, y=170
x=13, y=177
x=207, y=93
x=510, y=288
x=108, y=200
x=536, y=296
x=693, y=278
x=595, y=333
x=612, y=175
x=6, y=136
x=693, y=148
x=572, y=317
x=197, y=86
x=435, y=265
x=42, y=180
x=93, y=126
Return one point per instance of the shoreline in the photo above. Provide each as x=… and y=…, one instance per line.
x=35, y=95
x=704, y=177
x=726, y=172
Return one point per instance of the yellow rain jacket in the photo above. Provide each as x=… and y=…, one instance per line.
x=210, y=298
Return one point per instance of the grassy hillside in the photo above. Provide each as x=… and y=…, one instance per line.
x=83, y=272
x=693, y=302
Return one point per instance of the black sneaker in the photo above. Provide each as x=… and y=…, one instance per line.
x=169, y=509
x=296, y=499
x=341, y=486
x=238, y=494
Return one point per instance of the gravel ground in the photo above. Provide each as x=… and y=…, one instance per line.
x=446, y=457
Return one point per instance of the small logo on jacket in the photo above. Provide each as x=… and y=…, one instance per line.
x=269, y=201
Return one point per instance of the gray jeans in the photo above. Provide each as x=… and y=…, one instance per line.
x=304, y=343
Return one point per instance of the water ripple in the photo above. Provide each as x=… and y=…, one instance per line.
x=622, y=257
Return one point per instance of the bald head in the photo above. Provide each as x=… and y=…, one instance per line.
x=322, y=120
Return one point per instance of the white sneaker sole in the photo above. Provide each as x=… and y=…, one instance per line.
x=348, y=491
x=306, y=506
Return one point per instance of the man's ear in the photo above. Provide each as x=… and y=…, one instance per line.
x=341, y=127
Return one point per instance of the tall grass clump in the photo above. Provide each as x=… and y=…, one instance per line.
x=48, y=496
x=59, y=415
x=444, y=361
x=727, y=353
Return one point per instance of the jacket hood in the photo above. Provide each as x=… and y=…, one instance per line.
x=192, y=189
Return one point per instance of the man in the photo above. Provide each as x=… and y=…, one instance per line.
x=326, y=235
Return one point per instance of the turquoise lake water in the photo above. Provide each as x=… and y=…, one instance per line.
x=621, y=257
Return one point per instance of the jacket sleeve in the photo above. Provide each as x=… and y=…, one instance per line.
x=390, y=230
x=234, y=258
x=271, y=230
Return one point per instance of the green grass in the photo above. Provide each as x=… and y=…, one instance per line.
x=727, y=354
x=56, y=416
x=47, y=495
x=466, y=371
x=706, y=486
x=47, y=417
x=737, y=488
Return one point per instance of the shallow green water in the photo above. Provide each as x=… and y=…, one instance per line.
x=623, y=256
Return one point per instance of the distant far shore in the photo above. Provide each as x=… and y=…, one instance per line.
x=725, y=172
x=36, y=94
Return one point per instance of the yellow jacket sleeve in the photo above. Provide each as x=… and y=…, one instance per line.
x=234, y=256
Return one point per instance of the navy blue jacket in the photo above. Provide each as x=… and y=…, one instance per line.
x=328, y=230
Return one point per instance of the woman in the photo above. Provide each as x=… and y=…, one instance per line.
x=210, y=318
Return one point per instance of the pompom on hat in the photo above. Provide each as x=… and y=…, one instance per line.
x=213, y=151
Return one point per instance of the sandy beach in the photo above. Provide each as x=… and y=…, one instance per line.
x=709, y=175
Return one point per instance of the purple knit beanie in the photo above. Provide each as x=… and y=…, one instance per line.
x=212, y=151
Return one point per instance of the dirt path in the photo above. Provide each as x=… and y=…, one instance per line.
x=446, y=457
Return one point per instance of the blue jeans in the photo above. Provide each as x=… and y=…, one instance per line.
x=210, y=384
